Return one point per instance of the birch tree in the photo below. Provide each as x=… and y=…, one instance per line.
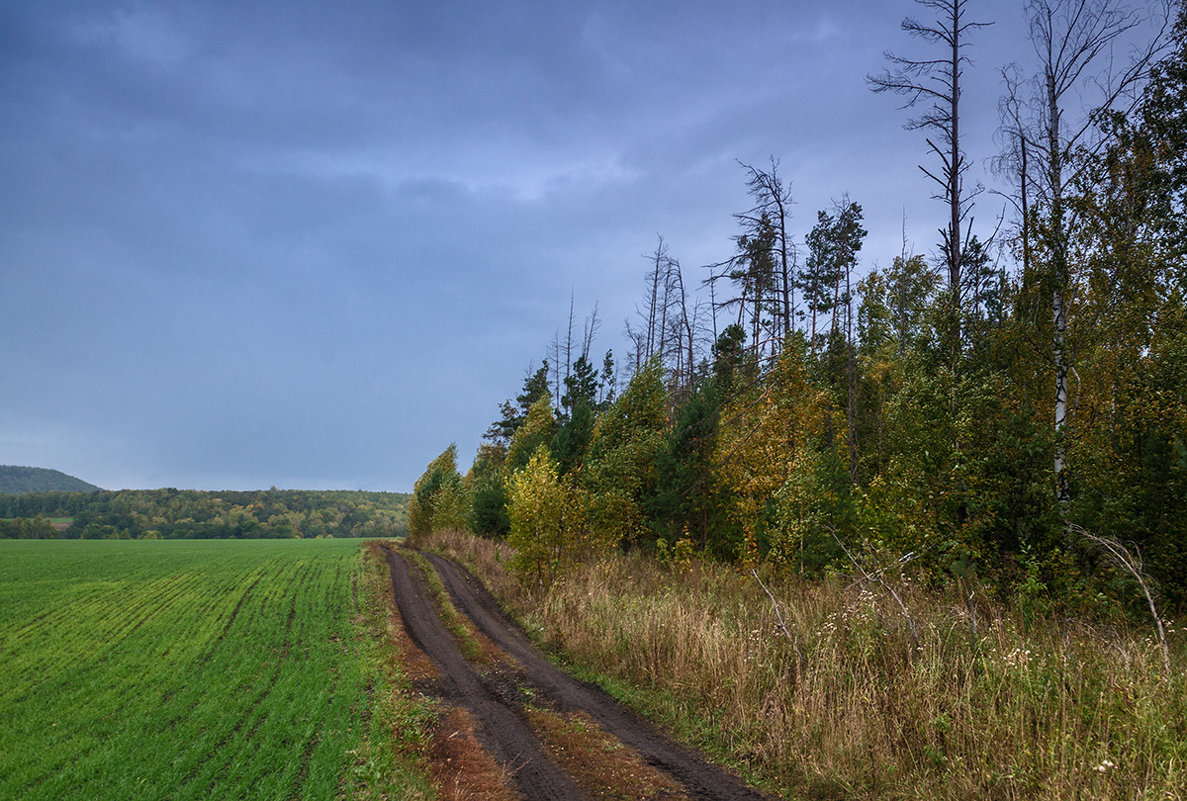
x=1074, y=43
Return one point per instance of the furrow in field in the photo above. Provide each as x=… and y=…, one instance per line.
x=159, y=671
x=231, y=618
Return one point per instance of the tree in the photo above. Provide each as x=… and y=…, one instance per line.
x=773, y=200
x=512, y=416
x=937, y=81
x=619, y=470
x=547, y=520
x=1073, y=41
x=607, y=381
x=819, y=270
x=729, y=359
x=688, y=500
x=753, y=269
x=488, y=516
x=537, y=429
x=833, y=245
x=766, y=429
x=1129, y=330
x=668, y=327
x=575, y=427
x=439, y=499
x=893, y=304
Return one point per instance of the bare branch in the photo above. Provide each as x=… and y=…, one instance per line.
x=1131, y=562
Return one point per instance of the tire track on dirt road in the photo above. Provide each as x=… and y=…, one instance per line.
x=699, y=778
x=504, y=734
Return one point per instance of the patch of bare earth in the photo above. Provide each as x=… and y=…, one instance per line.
x=699, y=778
x=497, y=726
x=461, y=768
x=517, y=726
x=604, y=768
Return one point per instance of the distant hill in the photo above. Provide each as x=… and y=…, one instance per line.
x=19, y=480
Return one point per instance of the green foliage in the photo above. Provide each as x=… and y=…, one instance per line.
x=894, y=304
x=780, y=431
x=729, y=358
x=808, y=514
x=833, y=244
x=537, y=430
x=620, y=470
x=575, y=428
x=688, y=501
x=513, y=415
x=488, y=516
x=22, y=528
x=547, y=517
x=440, y=500
x=192, y=514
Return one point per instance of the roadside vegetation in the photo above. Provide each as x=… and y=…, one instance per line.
x=1011, y=425
x=830, y=688
x=896, y=531
x=202, y=670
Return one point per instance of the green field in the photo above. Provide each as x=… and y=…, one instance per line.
x=186, y=670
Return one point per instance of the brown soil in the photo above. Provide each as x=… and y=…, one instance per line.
x=545, y=734
x=604, y=768
x=462, y=769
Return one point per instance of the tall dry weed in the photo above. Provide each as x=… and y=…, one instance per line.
x=839, y=701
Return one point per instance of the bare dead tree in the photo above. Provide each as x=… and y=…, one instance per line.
x=935, y=82
x=639, y=344
x=555, y=351
x=656, y=298
x=773, y=197
x=569, y=340
x=667, y=328
x=684, y=327
x=589, y=331
x=1011, y=164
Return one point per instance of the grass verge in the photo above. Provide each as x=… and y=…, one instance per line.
x=839, y=701
x=393, y=759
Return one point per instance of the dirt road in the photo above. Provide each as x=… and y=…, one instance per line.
x=552, y=736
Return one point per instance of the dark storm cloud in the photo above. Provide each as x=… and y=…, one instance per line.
x=310, y=244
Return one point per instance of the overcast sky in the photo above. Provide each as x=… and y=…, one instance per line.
x=309, y=245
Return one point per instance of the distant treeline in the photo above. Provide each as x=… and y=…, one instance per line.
x=192, y=514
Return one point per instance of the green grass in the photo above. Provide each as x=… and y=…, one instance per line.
x=195, y=670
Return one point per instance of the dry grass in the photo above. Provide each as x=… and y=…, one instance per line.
x=842, y=704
